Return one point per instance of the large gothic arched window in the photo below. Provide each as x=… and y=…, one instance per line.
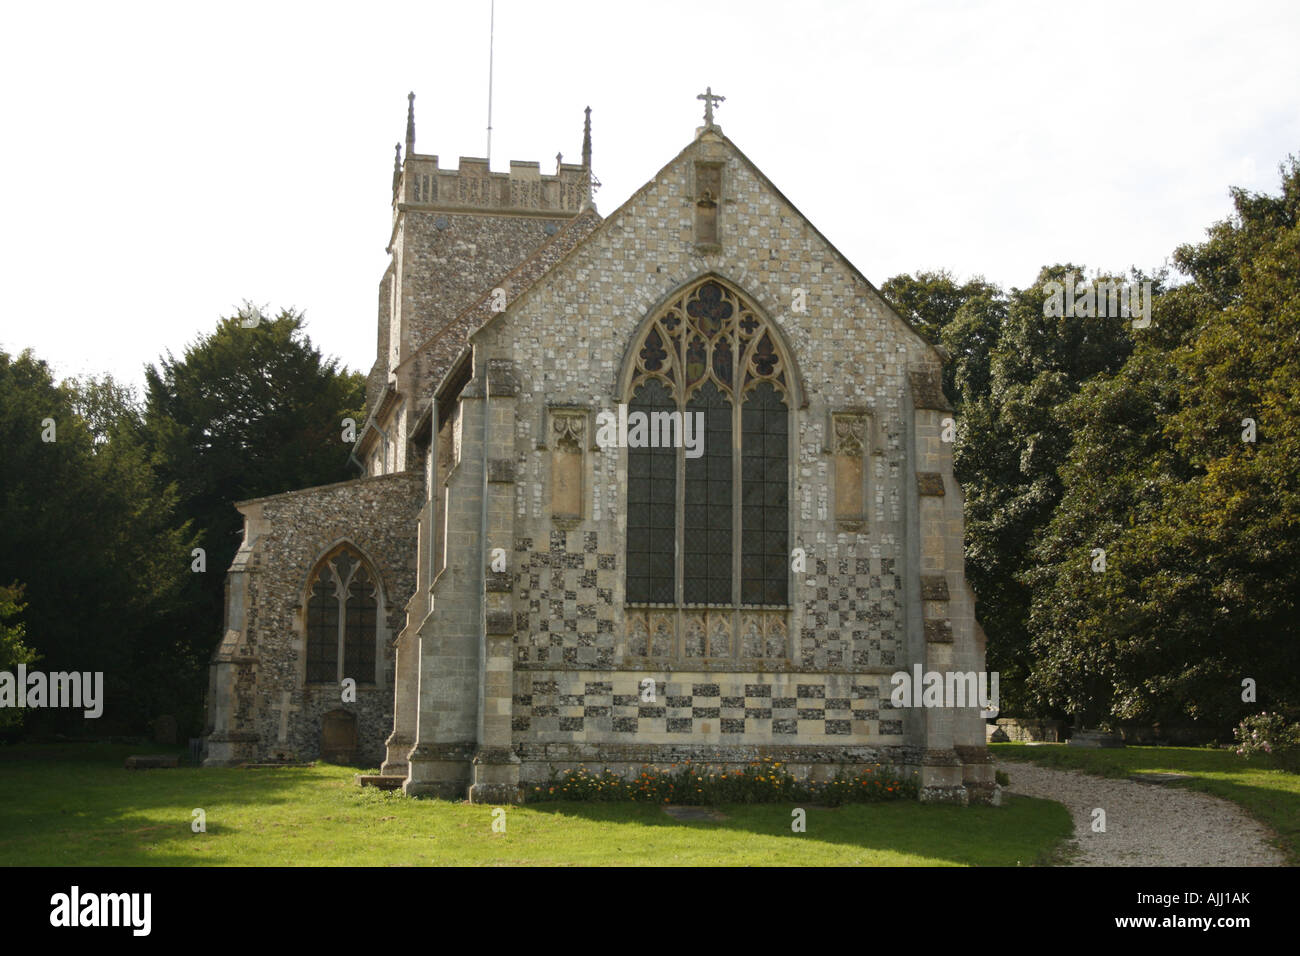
x=342, y=620
x=709, y=525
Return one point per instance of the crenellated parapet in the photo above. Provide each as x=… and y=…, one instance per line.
x=525, y=190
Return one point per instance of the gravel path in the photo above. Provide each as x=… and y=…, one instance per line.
x=1147, y=824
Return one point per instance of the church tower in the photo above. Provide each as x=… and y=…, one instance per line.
x=455, y=232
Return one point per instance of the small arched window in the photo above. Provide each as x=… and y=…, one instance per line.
x=342, y=620
x=709, y=525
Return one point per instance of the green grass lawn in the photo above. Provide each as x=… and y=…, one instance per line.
x=1270, y=796
x=75, y=805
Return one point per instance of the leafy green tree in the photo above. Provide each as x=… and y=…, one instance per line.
x=246, y=412
x=12, y=649
x=964, y=319
x=931, y=300
x=89, y=531
x=1201, y=525
x=1010, y=447
x=970, y=339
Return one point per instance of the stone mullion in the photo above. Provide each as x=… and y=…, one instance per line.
x=737, y=495
x=679, y=521
x=342, y=598
x=791, y=470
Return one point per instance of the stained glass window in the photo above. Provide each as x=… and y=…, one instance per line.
x=708, y=552
x=323, y=631
x=724, y=540
x=342, y=620
x=651, y=507
x=764, y=485
x=359, y=635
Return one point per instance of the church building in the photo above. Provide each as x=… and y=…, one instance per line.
x=674, y=483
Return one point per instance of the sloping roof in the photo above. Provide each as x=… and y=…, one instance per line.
x=444, y=346
x=521, y=277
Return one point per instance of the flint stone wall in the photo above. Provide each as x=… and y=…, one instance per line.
x=293, y=532
x=567, y=338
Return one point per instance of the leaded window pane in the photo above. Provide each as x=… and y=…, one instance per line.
x=764, y=477
x=708, y=538
x=651, y=507
x=323, y=629
x=342, y=608
x=359, y=636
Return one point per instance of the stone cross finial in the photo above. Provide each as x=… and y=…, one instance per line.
x=709, y=98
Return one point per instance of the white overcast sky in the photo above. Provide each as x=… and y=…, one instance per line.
x=162, y=163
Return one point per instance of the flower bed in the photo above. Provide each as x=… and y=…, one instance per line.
x=760, y=781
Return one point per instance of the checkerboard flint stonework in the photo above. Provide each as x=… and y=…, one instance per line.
x=511, y=316
x=566, y=711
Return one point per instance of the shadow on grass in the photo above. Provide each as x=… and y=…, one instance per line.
x=1025, y=831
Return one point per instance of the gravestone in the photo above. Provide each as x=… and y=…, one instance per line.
x=153, y=761
x=164, y=730
x=338, y=737
x=1095, y=738
x=1026, y=729
x=1083, y=737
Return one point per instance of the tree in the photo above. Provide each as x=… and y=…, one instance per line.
x=246, y=412
x=1011, y=444
x=1202, y=524
x=12, y=650
x=963, y=318
x=90, y=533
x=931, y=300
